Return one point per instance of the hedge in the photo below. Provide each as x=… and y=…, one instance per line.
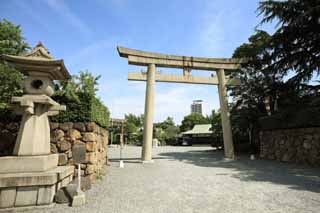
x=86, y=109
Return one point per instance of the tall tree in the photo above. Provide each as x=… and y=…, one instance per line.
x=11, y=40
x=296, y=42
x=13, y=43
x=259, y=82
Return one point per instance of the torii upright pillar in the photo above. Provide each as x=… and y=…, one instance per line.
x=148, y=113
x=225, y=116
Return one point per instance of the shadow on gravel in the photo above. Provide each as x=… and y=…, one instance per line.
x=294, y=176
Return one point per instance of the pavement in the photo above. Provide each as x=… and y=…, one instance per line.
x=198, y=179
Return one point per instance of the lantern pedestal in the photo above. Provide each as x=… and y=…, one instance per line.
x=25, y=189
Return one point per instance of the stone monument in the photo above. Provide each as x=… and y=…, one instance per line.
x=32, y=176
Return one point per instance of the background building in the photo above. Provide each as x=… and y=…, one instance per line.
x=196, y=106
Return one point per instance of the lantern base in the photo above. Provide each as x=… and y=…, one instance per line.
x=21, y=164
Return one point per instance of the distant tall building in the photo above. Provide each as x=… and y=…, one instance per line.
x=196, y=106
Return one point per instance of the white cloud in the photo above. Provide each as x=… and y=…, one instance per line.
x=87, y=52
x=61, y=7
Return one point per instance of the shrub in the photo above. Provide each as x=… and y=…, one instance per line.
x=79, y=95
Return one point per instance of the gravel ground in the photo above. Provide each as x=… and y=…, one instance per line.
x=198, y=179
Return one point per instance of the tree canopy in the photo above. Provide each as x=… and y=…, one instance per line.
x=189, y=121
x=79, y=95
x=166, y=131
x=296, y=42
x=13, y=43
x=11, y=40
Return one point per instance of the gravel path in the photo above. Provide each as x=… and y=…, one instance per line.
x=197, y=179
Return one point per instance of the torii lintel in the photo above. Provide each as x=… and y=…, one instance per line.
x=143, y=58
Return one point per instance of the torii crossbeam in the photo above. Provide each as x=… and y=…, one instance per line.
x=153, y=60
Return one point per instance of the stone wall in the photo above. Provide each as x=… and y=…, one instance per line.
x=63, y=137
x=301, y=146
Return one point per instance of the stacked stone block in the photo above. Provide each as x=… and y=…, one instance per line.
x=301, y=146
x=65, y=135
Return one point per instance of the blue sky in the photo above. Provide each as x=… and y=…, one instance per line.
x=85, y=34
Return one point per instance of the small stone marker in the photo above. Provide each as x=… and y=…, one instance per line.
x=79, y=153
x=79, y=156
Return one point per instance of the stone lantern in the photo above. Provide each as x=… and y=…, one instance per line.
x=33, y=170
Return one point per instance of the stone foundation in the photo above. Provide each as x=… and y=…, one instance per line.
x=33, y=189
x=301, y=146
x=63, y=137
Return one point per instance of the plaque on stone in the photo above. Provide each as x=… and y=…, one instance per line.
x=79, y=153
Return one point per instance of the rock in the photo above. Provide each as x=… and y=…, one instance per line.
x=91, y=127
x=104, y=132
x=91, y=158
x=56, y=135
x=285, y=158
x=90, y=169
x=61, y=196
x=63, y=145
x=307, y=137
x=66, y=126
x=74, y=134
x=69, y=153
x=78, y=142
x=66, y=194
x=306, y=145
x=53, y=148
x=54, y=125
x=63, y=159
x=91, y=146
x=88, y=136
x=71, y=190
x=79, y=126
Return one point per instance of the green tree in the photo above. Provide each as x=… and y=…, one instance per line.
x=258, y=93
x=79, y=95
x=189, y=121
x=133, y=128
x=12, y=43
x=258, y=82
x=166, y=131
x=11, y=40
x=136, y=120
x=296, y=42
x=215, y=120
x=10, y=85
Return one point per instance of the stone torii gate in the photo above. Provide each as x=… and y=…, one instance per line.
x=153, y=60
